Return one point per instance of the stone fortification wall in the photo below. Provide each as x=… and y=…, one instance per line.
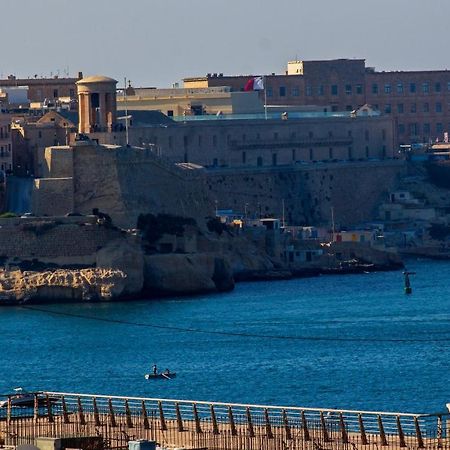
x=309, y=193
x=50, y=241
x=125, y=182
x=52, y=196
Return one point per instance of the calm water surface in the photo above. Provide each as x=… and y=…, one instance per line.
x=353, y=341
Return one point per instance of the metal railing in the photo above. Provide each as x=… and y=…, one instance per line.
x=215, y=424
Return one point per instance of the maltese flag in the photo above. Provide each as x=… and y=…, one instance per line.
x=254, y=84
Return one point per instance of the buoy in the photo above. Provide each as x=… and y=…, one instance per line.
x=408, y=288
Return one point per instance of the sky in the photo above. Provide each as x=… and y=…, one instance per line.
x=160, y=42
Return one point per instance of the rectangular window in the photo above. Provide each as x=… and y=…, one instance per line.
x=387, y=88
x=295, y=91
x=399, y=88
x=185, y=141
x=244, y=157
x=400, y=108
x=413, y=108
x=282, y=91
x=426, y=128
x=320, y=90
x=199, y=141
x=387, y=108
x=383, y=134
x=214, y=141
x=425, y=88
x=374, y=88
x=437, y=87
x=412, y=87
x=348, y=89
x=413, y=129
x=359, y=89
x=308, y=91
x=55, y=93
x=269, y=92
x=334, y=89
x=438, y=107
x=426, y=107
x=401, y=128
x=439, y=128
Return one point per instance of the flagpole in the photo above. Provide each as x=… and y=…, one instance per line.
x=265, y=97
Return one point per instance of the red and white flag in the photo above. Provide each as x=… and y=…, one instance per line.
x=254, y=84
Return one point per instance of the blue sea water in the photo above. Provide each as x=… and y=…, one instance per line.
x=352, y=341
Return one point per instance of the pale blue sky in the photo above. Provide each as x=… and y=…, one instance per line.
x=158, y=42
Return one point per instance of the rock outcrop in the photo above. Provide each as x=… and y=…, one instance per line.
x=62, y=285
x=175, y=274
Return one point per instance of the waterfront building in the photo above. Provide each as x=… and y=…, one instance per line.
x=417, y=101
x=5, y=143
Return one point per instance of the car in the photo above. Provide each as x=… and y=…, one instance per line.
x=27, y=214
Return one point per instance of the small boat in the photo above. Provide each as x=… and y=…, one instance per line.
x=25, y=399
x=163, y=375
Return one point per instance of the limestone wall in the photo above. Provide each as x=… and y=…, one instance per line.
x=52, y=196
x=50, y=241
x=309, y=193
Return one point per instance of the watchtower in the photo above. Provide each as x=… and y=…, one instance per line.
x=97, y=104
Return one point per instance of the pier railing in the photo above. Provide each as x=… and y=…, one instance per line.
x=227, y=426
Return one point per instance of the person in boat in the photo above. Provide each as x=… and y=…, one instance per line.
x=154, y=369
x=167, y=372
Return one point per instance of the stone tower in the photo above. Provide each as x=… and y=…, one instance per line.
x=97, y=104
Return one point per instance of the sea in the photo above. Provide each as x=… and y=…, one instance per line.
x=335, y=341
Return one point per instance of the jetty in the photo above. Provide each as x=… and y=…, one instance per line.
x=110, y=422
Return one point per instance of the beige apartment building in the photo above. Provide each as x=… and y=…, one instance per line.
x=5, y=143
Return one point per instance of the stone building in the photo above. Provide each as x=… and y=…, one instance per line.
x=418, y=101
x=5, y=143
x=40, y=89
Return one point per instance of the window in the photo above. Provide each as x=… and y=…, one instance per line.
x=274, y=159
x=293, y=155
x=412, y=87
x=426, y=128
x=244, y=157
x=320, y=90
x=359, y=89
x=71, y=93
x=259, y=161
x=170, y=113
x=374, y=88
x=170, y=141
x=55, y=93
x=348, y=89
x=295, y=91
x=366, y=135
x=387, y=88
x=413, y=108
x=400, y=108
x=413, y=129
x=438, y=107
x=399, y=88
x=439, y=128
x=275, y=136
x=426, y=107
x=425, y=88
x=383, y=134
x=330, y=153
x=185, y=141
x=308, y=91
x=282, y=91
x=401, y=128
x=214, y=140
x=199, y=141
x=269, y=92
x=387, y=108
x=334, y=89
x=437, y=87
